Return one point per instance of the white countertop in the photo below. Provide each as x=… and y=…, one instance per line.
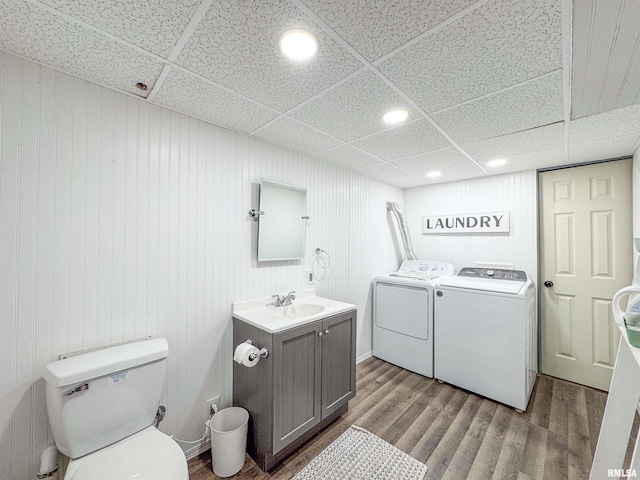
x=261, y=313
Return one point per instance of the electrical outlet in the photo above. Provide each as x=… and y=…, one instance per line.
x=309, y=277
x=210, y=403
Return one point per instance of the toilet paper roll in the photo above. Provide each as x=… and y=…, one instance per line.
x=242, y=353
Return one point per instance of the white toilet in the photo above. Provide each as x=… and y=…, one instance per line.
x=102, y=406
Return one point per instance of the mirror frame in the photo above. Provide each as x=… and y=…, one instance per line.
x=265, y=217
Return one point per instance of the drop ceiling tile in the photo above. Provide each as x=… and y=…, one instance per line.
x=236, y=45
x=498, y=45
x=402, y=141
x=296, y=136
x=531, y=161
x=407, y=182
x=186, y=93
x=603, y=149
x=153, y=25
x=353, y=109
x=31, y=31
x=438, y=160
x=349, y=157
x=521, y=108
x=383, y=172
x=457, y=174
x=377, y=27
x=533, y=140
x=616, y=123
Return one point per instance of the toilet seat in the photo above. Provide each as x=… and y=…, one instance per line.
x=146, y=455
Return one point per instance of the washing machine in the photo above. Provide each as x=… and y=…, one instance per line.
x=403, y=314
x=486, y=334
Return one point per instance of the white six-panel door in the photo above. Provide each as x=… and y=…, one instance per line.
x=586, y=256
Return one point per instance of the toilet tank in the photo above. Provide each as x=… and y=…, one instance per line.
x=98, y=398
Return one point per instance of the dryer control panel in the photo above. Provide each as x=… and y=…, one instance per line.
x=499, y=274
x=427, y=266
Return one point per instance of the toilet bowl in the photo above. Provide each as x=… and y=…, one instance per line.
x=146, y=455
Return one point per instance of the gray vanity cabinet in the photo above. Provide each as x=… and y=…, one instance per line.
x=297, y=377
x=338, y=362
x=304, y=384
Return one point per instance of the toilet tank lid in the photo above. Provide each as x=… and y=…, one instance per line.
x=98, y=363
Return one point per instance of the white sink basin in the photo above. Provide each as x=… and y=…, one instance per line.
x=306, y=308
x=298, y=311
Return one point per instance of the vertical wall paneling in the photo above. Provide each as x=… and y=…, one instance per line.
x=44, y=306
x=636, y=201
x=9, y=188
x=121, y=219
x=514, y=192
x=106, y=161
x=26, y=235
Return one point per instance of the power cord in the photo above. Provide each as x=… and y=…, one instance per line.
x=207, y=426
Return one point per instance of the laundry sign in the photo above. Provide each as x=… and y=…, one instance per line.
x=492, y=222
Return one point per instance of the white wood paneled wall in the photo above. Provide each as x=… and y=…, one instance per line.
x=514, y=192
x=120, y=219
x=636, y=201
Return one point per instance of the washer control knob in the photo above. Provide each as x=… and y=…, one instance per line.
x=490, y=273
x=434, y=268
x=423, y=267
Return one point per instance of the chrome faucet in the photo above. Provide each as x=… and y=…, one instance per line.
x=289, y=298
x=283, y=301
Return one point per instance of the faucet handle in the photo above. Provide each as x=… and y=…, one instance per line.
x=278, y=301
x=289, y=298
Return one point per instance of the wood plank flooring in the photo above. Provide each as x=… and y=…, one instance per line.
x=458, y=434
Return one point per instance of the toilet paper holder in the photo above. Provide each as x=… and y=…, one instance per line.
x=263, y=353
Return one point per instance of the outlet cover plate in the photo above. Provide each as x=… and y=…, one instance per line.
x=211, y=401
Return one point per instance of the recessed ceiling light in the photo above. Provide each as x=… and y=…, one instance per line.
x=298, y=44
x=496, y=163
x=394, y=117
x=434, y=174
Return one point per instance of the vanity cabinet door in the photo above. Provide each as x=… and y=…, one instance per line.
x=297, y=382
x=338, y=361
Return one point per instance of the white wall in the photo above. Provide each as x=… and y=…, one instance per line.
x=636, y=200
x=513, y=192
x=120, y=219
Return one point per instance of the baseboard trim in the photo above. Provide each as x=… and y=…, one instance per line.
x=197, y=449
x=364, y=356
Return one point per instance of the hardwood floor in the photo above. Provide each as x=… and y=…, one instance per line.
x=458, y=434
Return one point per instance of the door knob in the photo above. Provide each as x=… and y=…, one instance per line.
x=548, y=284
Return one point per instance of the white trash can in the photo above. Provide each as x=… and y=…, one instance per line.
x=229, y=440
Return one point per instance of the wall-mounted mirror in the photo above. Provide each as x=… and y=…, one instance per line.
x=282, y=221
